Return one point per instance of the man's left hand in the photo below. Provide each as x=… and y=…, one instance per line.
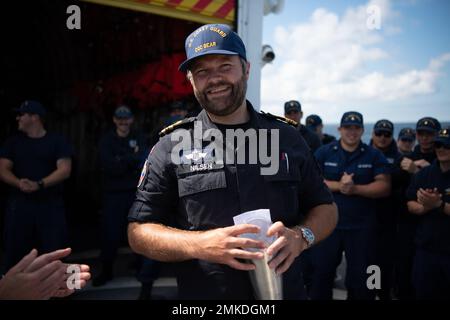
x=286, y=248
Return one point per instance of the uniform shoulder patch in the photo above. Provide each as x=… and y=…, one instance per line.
x=179, y=124
x=279, y=118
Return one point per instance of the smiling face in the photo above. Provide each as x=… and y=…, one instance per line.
x=351, y=135
x=219, y=83
x=123, y=125
x=382, y=140
x=425, y=140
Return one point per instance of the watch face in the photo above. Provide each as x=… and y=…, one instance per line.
x=308, y=235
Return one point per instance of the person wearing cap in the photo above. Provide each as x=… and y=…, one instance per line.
x=122, y=153
x=177, y=111
x=183, y=211
x=357, y=174
x=34, y=163
x=314, y=123
x=405, y=141
x=293, y=111
x=404, y=242
x=429, y=198
x=423, y=154
x=387, y=208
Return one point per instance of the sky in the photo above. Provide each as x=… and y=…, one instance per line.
x=384, y=58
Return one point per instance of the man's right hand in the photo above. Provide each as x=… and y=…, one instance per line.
x=224, y=246
x=408, y=165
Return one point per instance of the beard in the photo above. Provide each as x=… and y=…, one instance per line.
x=224, y=105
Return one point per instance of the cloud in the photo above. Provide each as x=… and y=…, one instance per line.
x=324, y=62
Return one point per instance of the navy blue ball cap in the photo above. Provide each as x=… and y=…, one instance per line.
x=383, y=126
x=407, y=134
x=212, y=39
x=352, y=118
x=428, y=124
x=443, y=137
x=32, y=107
x=123, y=112
x=292, y=105
x=313, y=120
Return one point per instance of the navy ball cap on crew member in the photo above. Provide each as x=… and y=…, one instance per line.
x=443, y=137
x=428, y=124
x=312, y=121
x=292, y=105
x=352, y=118
x=32, y=107
x=383, y=126
x=407, y=134
x=212, y=39
x=123, y=112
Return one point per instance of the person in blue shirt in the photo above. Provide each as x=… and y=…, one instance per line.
x=34, y=164
x=122, y=155
x=293, y=111
x=357, y=174
x=406, y=140
x=429, y=198
x=422, y=156
x=315, y=124
x=387, y=207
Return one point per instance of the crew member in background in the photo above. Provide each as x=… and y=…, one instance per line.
x=357, y=174
x=406, y=140
x=423, y=155
x=404, y=244
x=293, y=111
x=314, y=123
x=122, y=154
x=34, y=163
x=429, y=198
x=387, y=207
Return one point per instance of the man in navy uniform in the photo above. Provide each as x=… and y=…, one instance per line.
x=405, y=141
x=357, y=174
x=423, y=155
x=184, y=213
x=34, y=164
x=314, y=123
x=293, y=111
x=122, y=154
x=429, y=198
x=387, y=207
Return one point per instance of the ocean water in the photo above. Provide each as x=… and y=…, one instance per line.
x=368, y=127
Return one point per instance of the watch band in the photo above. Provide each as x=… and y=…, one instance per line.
x=41, y=184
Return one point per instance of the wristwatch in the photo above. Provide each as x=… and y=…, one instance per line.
x=308, y=235
x=40, y=184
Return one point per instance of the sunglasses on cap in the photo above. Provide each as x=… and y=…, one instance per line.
x=384, y=134
x=439, y=145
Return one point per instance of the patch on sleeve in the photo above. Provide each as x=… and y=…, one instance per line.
x=143, y=174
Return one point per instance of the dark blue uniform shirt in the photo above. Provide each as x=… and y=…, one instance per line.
x=388, y=208
x=365, y=163
x=175, y=196
x=35, y=158
x=120, y=163
x=433, y=232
